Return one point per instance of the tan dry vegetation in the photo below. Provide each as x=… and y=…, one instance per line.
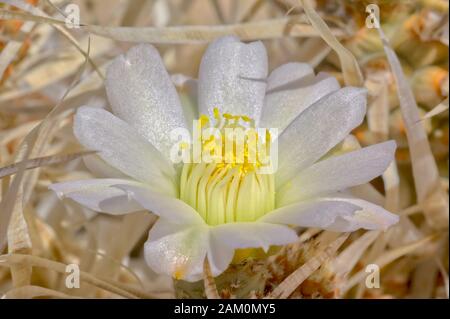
x=48, y=70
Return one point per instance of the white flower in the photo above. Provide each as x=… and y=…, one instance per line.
x=206, y=210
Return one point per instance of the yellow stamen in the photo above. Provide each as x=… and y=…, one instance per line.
x=229, y=190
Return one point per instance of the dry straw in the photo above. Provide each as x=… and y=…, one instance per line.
x=48, y=70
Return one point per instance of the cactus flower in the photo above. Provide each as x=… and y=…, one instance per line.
x=208, y=210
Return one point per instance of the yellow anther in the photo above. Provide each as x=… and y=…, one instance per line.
x=250, y=159
x=209, y=145
x=228, y=116
x=179, y=273
x=216, y=113
x=203, y=120
x=268, y=136
x=184, y=145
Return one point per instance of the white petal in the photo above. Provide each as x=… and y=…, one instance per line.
x=253, y=235
x=317, y=129
x=100, y=168
x=226, y=238
x=119, y=145
x=98, y=195
x=367, y=192
x=232, y=78
x=289, y=74
x=170, y=208
x=180, y=259
x=141, y=93
x=342, y=214
x=370, y=216
x=188, y=92
x=177, y=251
x=219, y=254
x=289, y=95
x=338, y=173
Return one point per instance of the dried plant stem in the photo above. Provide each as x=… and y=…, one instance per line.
x=385, y=259
x=17, y=233
x=267, y=29
x=39, y=16
x=350, y=256
x=411, y=210
x=17, y=15
x=19, y=241
x=14, y=230
x=438, y=109
x=350, y=68
x=35, y=291
x=430, y=193
x=42, y=161
x=288, y=286
x=14, y=259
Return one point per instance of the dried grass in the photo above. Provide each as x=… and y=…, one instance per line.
x=47, y=71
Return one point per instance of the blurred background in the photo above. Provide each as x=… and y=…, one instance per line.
x=45, y=75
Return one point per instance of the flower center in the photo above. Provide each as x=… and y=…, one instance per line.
x=230, y=187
